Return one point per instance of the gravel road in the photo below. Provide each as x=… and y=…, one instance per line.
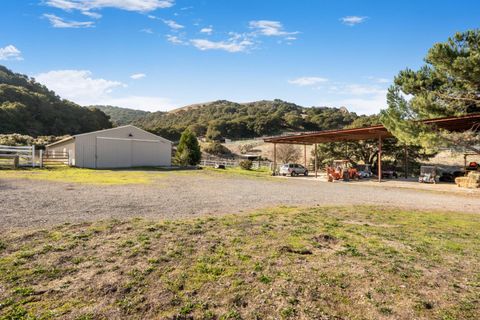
x=33, y=203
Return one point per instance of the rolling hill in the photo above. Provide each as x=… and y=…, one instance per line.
x=27, y=107
x=244, y=120
x=121, y=116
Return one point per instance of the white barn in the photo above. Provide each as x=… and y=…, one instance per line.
x=120, y=147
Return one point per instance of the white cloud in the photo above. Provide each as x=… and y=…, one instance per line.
x=353, y=20
x=147, y=103
x=58, y=22
x=361, y=105
x=10, y=52
x=207, y=30
x=147, y=30
x=78, y=85
x=129, y=5
x=173, y=25
x=174, y=39
x=361, y=98
x=269, y=28
x=93, y=15
x=308, y=81
x=233, y=44
x=137, y=76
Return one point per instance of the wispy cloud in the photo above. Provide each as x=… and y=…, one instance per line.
x=147, y=30
x=137, y=76
x=173, y=25
x=307, y=81
x=10, y=52
x=91, y=14
x=89, y=8
x=175, y=39
x=353, y=20
x=129, y=5
x=207, y=30
x=58, y=22
x=269, y=28
x=78, y=85
x=236, y=43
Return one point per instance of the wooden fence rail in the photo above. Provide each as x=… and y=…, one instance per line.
x=26, y=153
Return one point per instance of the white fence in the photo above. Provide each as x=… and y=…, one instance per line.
x=26, y=154
x=234, y=163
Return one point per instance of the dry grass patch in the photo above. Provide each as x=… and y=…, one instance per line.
x=280, y=263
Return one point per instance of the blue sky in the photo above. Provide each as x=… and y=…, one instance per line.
x=162, y=54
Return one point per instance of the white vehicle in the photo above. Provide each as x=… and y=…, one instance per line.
x=293, y=169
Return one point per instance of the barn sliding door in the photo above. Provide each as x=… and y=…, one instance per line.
x=125, y=153
x=114, y=153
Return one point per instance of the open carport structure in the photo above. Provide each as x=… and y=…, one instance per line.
x=378, y=132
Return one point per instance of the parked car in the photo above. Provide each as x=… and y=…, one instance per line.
x=293, y=169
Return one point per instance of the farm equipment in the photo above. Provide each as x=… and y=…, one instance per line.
x=342, y=169
x=365, y=171
x=428, y=174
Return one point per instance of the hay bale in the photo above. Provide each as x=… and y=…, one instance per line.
x=474, y=176
x=472, y=181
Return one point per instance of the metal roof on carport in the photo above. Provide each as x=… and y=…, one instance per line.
x=459, y=124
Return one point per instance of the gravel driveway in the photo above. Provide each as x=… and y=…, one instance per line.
x=25, y=203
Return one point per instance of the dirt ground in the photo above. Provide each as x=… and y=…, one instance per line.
x=33, y=203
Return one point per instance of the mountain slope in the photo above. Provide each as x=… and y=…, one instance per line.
x=234, y=120
x=27, y=107
x=122, y=116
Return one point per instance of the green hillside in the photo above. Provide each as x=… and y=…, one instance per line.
x=234, y=120
x=27, y=107
x=122, y=116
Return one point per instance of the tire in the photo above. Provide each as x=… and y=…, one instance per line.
x=305, y=173
x=293, y=174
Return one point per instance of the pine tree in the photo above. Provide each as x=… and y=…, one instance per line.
x=188, y=150
x=448, y=85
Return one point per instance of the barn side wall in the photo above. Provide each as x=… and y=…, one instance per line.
x=87, y=144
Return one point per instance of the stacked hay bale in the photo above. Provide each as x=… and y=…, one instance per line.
x=471, y=181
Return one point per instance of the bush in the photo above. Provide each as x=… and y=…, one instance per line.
x=188, y=150
x=216, y=149
x=246, y=164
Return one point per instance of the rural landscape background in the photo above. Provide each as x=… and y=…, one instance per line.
x=220, y=234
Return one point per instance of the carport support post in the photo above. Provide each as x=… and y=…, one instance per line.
x=305, y=155
x=315, y=162
x=274, y=159
x=380, y=159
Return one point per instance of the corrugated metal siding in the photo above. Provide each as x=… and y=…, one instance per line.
x=117, y=152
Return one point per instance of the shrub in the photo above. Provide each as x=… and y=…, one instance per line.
x=188, y=150
x=246, y=164
x=216, y=149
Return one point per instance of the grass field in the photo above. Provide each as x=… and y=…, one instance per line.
x=281, y=263
x=117, y=177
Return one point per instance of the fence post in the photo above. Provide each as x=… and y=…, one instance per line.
x=41, y=158
x=33, y=156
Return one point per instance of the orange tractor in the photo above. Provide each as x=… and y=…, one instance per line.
x=342, y=169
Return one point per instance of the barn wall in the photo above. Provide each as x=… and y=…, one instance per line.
x=87, y=146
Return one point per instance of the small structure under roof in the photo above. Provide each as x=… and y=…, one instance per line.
x=378, y=132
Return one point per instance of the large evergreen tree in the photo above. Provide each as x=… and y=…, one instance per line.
x=448, y=85
x=188, y=150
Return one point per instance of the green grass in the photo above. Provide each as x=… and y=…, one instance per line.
x=120, y=176
x=282, y=263
x=260, y=173
x=79, y=175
